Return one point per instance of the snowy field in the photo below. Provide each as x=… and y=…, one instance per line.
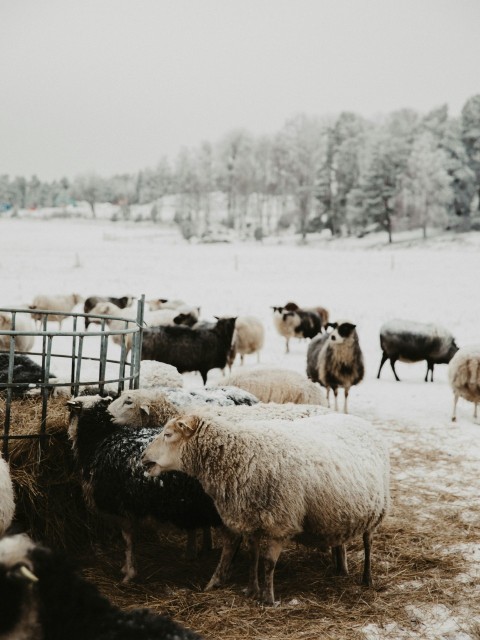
x=437, y=282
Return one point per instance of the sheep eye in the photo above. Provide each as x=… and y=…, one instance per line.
x=167, y=435
x=128, y=402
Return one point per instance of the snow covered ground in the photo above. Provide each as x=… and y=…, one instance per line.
x=364, y=281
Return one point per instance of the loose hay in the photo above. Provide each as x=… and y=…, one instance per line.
x=49, y=501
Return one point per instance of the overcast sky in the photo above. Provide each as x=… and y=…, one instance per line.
x=112, y=85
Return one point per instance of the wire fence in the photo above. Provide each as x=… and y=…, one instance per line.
x=73, y=347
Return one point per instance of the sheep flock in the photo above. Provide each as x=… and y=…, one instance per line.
x=224, y=443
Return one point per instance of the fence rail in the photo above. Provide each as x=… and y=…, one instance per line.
x=121, y=370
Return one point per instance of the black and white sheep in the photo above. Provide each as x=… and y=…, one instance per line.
x=92, y=301
x=108, y=458
x=7, y=500
x=190, y=349
x=410, y=341
x=464, y=377
x=323, y=481
x=60, y=303
x=296, y=323
x=26, y=373
x=42, y=597
x=22, y=323
x=278, y=385
x=335, y=360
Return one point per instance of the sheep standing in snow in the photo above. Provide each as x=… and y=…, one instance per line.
x=325, y=479
x=464, y=377
x=7, y=502
x=410, y=341
x=61, y=303
x=22, y=323
x=190, y=349
x=296, y=323
x=42, y=597
x=336, y=360
x=320, y=311
x=278, y=385
x=92, y=301
x=108, y=458
x=248, y=337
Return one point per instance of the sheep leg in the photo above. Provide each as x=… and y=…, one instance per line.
x=475, y=410
x=339, y=557
x=335, y=393
x=287, y=350
x=191, y=553
x=129, y=571
x=253, y=588
x=207, y=541
x=367, y=544
x=455, y=400
x=241, y=359
x=231, y=542
x=272, y=554
x=392, y=364
x=429, y=368
x=204, y=375
x=328, y=397
x=384, y=359
x=345, y=403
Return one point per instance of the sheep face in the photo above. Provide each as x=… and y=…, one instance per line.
x=80, y=404
x=342, y=332
x=129, y=409
x=164, y=453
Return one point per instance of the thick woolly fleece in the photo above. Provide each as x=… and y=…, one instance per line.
x=113, y=478
x=63, y=605
x=327, y=476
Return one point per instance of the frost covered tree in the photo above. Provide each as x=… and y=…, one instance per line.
x=89, y=187
x=471, y=137
x=427, y=184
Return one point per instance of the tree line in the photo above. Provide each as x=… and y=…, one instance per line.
x=347, y=174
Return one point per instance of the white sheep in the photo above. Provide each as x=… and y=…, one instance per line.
x=7, y=502
x=323, y=480
x=248, y=337
x=153, y=375
x=22, y=323
x=335, y=360
x=163, y=303
x=63, y=303
x=464, y=377
x=286, y=325
x=278, y=385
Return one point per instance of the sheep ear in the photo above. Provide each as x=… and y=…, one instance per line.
x=74, y=405
x=187, y=426
x=145, y=408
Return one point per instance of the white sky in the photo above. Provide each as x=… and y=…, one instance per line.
x=112, y=85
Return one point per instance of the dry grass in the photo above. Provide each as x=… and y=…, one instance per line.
x=413, y=562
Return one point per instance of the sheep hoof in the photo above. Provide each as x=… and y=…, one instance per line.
x=454, y=419
x=252, y=592
x=213, y=584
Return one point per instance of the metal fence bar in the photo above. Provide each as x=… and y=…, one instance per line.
x=131, y=333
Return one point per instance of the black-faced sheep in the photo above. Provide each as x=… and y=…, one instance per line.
x=336, y=360
x=22, y=323
x=278, y=385
x=410, y=341
x=92, y=301
x=26, y=373
x=42, y=597
x=62, y=303
x=108, y=458
x=190, y=349
x=464, y=377
x=324, y=480
x=296, y=323
x=248, y=337
x=7, y=501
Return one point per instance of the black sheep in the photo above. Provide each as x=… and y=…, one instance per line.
x=43, y=597
x=26, y=373
x=190, y=349
x=114, y=483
